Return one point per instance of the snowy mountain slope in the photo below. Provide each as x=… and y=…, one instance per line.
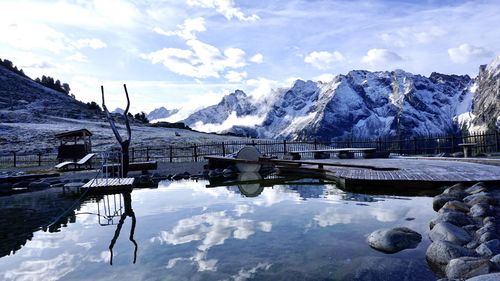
x=361, y=104
x=236, y=104
x=160, y=113
x=486, y=104
x=22, y=99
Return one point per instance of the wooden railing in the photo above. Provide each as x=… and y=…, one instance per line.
x=487, y=142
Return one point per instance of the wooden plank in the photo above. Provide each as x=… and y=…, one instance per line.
x=109, y=182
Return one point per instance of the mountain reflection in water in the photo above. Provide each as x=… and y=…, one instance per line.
x=251, y=229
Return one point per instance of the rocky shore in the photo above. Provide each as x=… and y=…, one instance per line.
x=465, y=235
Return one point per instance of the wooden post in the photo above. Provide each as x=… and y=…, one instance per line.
x=284, y=146
x=223, y=149
x=39, y=159
x=15, y=159
x=496, y=141
x=452, y=144
x=171, y=153
x=414, y=145
x=147, y=153
x=133, y=154
x=195, y=153
x=315, y=144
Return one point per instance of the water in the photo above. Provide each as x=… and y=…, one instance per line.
x=185, y=231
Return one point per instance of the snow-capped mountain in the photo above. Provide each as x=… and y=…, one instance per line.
x=160, y=113
x=361, y=104
x=486, y=110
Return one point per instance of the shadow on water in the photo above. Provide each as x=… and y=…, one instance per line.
x=252, y=185
x=51, y=209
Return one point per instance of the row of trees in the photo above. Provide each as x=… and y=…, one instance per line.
x=49, y=82
x=10, y=66
x=141, y=117
x=54, y=84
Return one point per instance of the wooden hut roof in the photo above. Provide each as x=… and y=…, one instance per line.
x=77, y=133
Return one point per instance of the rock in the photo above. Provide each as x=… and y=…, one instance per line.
x=457, y=190
x=495, y=262
x=472, y=245
x=453, y=217
x=441, y=252
x=449, y=232
x=486, y=277
x=484, y=229
x=441, y=199
x=375, y=269
x=489, y=248
x=38, y=185
x=456, y=205
x=457, y=154
x=478, y=187
x=394, y=240
x=487, y=236
x=467, y=267
x=480, y=210
x=483, y=199
x=475, y=196
x=488, y=220
x=471, y=228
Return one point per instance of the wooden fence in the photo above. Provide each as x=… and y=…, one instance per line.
x=487, y=142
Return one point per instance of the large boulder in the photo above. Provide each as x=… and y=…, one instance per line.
x=439, y=200
x=486, y=277
x=453, y=217
x=478, y=187
x=480, y=210
x=441, y=252
x=448, y=232
x=456, y=206
x=467, y=267
x=489, y=248
x=394, y=240
x=456, y=190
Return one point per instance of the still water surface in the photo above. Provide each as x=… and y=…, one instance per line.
x=185, y=231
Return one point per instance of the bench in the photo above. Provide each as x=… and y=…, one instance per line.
x=342, y=153
x=467, y=148
x=134, y=166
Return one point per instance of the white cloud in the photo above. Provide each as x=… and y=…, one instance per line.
x=325, y=77
x=78, y=57
x=224, y=7
x=258, y=58
x=210, y=229
x=201, y=61
x=91, y=43
x=380, y=56
x=407, y=36
x=231, y=121
x=466, y=52
x=187, y=30
x=29, y=36
x=235, y=77
x=323, y=59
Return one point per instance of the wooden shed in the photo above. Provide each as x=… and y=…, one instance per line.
x=74, y=145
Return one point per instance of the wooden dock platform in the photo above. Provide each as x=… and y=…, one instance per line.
x=108, y=185
x=390, y=173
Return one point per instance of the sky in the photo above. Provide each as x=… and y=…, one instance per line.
x=189, y=53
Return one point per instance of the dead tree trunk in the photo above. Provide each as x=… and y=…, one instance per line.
x=123, y=143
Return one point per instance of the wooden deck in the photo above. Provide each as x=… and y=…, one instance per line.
x=418, y=173
x=110, y=184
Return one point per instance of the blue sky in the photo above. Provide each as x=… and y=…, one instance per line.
x=188, y=53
